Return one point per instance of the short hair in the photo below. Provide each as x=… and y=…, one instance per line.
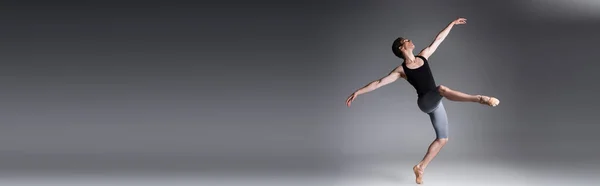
x=396, y=47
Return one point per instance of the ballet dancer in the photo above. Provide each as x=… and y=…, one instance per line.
x=416, y=70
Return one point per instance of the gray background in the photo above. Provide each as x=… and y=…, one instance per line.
x=201, y=85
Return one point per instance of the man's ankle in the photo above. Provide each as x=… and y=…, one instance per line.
x=480, y=98
x=421, y=166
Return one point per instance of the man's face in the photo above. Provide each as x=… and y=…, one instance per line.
x=408, y=44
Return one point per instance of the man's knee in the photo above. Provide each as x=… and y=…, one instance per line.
x=443, y=88
x=443, y=141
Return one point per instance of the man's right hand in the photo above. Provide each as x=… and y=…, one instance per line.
x=351, y=98
x=460, y=21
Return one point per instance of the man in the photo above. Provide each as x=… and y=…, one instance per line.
x=416, y=70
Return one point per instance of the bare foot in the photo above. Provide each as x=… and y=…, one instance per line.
x=490, y=101
x=418, y=173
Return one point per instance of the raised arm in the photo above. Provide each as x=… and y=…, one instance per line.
x=429, y=50
x=391, y=77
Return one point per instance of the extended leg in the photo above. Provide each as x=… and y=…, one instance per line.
x=439, y=119
x=454, y=95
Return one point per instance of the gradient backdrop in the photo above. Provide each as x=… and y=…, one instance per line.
x=149, y=85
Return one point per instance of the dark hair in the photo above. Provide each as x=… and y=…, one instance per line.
x=396, y=47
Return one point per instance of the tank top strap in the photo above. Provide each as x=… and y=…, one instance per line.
x=423, y=58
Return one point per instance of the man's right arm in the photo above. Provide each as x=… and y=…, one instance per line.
x=391, y=77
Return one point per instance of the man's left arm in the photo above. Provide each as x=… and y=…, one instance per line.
x=429, y=50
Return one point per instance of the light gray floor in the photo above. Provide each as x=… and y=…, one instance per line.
x=381, y=173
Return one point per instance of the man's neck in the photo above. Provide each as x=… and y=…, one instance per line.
x=408, y=55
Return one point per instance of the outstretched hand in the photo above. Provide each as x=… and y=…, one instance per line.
x=460, y=21
x=350, y=99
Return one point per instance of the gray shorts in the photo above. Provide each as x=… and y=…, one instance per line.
x=430, y=101
x=431, y=104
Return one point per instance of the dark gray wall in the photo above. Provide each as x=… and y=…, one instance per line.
x=207, y=81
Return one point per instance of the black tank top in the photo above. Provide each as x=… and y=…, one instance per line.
x=420, y=78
